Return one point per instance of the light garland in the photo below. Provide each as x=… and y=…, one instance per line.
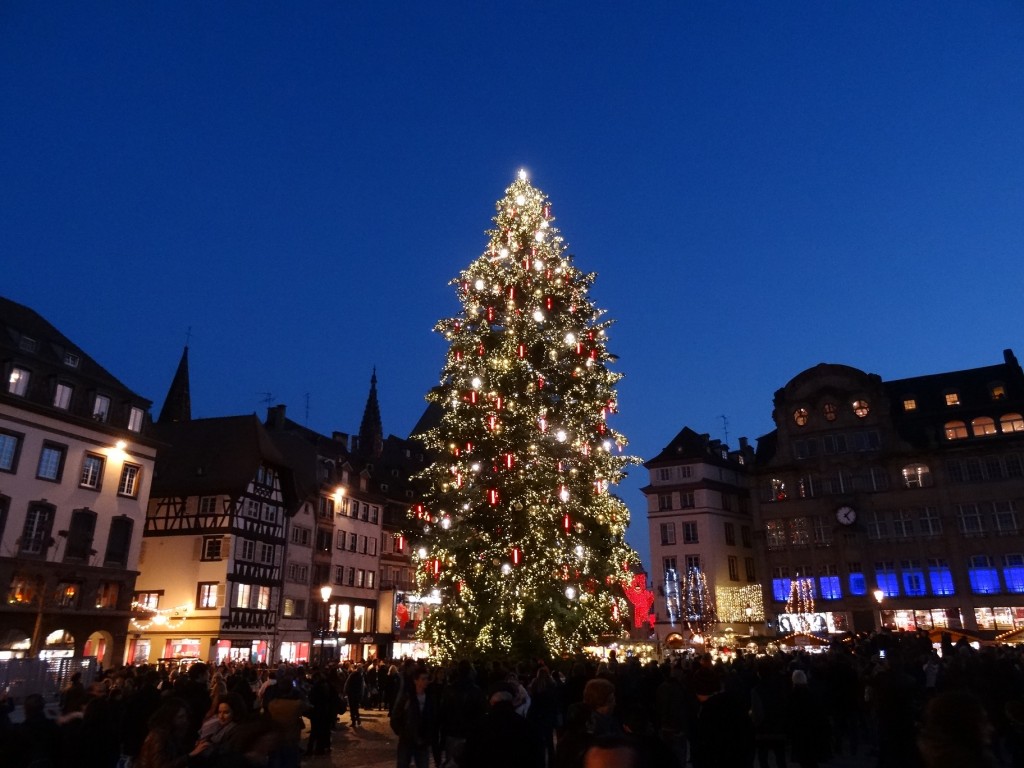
x=163, y=618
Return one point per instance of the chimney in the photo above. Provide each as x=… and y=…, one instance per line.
x=743, y=443
x=275, y=416
x=340, y=437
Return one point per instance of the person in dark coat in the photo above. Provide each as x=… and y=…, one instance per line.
x=414, y=719
x=324, y=702
x=503, y=738
x=354, y=687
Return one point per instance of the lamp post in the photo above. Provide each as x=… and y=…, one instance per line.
x=879, y=597
x=325, y=595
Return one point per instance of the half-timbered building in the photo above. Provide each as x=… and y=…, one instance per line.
x=215, y=543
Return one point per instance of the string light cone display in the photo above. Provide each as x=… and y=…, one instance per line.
x=698, y=607
x=518, y=527
x=801, y=602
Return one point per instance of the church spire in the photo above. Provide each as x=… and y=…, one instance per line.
x=178, y=404
x=371, y=432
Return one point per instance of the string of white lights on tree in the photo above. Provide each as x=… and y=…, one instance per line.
x=518, y=528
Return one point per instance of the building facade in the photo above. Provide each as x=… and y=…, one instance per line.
x=700, y=532
x=76, y=464
x=894, y=503
x=212, y=576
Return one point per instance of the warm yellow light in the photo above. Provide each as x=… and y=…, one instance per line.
x=325, y=592
x=879, y=596
x=120, y=445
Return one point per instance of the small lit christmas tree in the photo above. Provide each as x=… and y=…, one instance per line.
x=519, y=531
x=801, y=603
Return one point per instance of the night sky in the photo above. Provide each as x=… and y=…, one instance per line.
x=760, y=187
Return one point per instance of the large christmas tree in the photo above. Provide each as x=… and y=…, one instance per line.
x=519, y=532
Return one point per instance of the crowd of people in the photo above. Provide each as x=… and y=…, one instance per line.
x=889, y=698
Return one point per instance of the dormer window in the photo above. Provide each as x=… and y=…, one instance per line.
x=909, y=404
x=17, y=382
x=861, y=408
x=71, y=360
x=998, y=392
x=28, y=344
x=952, y=398
x=62, y=396
x=830, y=411
x=800, y=416
x=101, y=408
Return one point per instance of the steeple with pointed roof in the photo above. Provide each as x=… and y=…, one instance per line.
x=371, y=431
x=178, y=404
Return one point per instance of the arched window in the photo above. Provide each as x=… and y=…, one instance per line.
x=917, y=476
x=1011, y=422
x=956, y=430
x=800, y=416
x=983, y=425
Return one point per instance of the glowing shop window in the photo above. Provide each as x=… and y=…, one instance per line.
x=913, y=583
x=889, y=583
x=359, y=619
x=830, y=588
x=984, y=579
x=857, y=584
x=941, y=580
x=780, y=589
x=1013, y=574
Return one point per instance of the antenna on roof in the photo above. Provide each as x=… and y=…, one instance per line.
x=725, y=427
x=267, y=399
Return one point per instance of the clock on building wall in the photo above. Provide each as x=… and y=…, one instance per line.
x=846, y=515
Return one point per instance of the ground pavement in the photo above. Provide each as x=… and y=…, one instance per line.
x=373, y=745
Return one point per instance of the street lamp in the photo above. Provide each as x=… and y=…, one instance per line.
x=749, y=611
x=325, y=595
x=879, y=597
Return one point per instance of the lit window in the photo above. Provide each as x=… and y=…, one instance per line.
x=1011, y=422
x=983, y=577
x=17, y=383
x=983, y=425
x=370, y=578
x=910, y=404
x=101, y=407
x=71, y=360
x=9, y=449
x=1013, y=573
x=243, y=593
x=62, y=396
x=207, y=594
x=263, y=598
x=913, y=578
x=952, y=398
x=150, y=600
x=800, y=416
x=830, y=411
x=67, y=595
x=917, y=476
x=998, y=392
x=861, y=408
x=135, y=418
x=289, y=607
x=955, y=430
x=780, y=583
x=92, y=472
x=129, y=484
x=940, y=577
x=51, y=462
x=107, y=594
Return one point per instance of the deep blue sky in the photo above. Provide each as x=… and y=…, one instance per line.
x=759, y=186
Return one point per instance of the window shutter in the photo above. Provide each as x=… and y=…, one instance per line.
x=142, y=552
x=197, y=553
x=225, y=548
x=222, y=590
